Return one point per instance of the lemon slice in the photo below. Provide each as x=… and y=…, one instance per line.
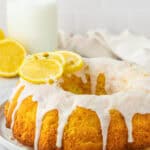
x=52, y=55
x=40, y=70
x=73, y=61
x=2, y=35
x=12, y=55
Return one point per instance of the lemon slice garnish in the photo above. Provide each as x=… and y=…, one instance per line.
x=40, y=69
x=12, y=55
x=73, y=61
x=2, y=35
x=52, y=55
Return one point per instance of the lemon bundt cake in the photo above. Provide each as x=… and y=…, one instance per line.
x=105, y=105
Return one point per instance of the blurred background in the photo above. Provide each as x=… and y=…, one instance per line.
x=79, y=16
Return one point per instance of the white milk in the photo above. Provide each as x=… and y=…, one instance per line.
x=33, y=23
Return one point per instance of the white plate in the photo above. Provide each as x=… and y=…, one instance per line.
x=6, y=135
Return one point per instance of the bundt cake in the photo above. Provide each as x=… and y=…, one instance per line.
x=105, y=105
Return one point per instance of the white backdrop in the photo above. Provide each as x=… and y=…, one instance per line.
x=115, y=15
x=2, y=14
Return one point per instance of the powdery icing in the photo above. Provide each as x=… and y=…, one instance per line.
x=121, y=79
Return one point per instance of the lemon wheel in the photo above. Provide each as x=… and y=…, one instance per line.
x=52, y=55
x=40, y=70
x=73, y=61
x=12, y=55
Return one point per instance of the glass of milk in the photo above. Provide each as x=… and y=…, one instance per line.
x=33, y=23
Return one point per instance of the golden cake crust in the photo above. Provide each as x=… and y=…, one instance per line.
x=82, y=131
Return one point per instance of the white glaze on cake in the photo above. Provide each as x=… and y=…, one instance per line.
x=82, y=74
x=121, y=81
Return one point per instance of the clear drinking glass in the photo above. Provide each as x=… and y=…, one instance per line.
x=33, y=23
